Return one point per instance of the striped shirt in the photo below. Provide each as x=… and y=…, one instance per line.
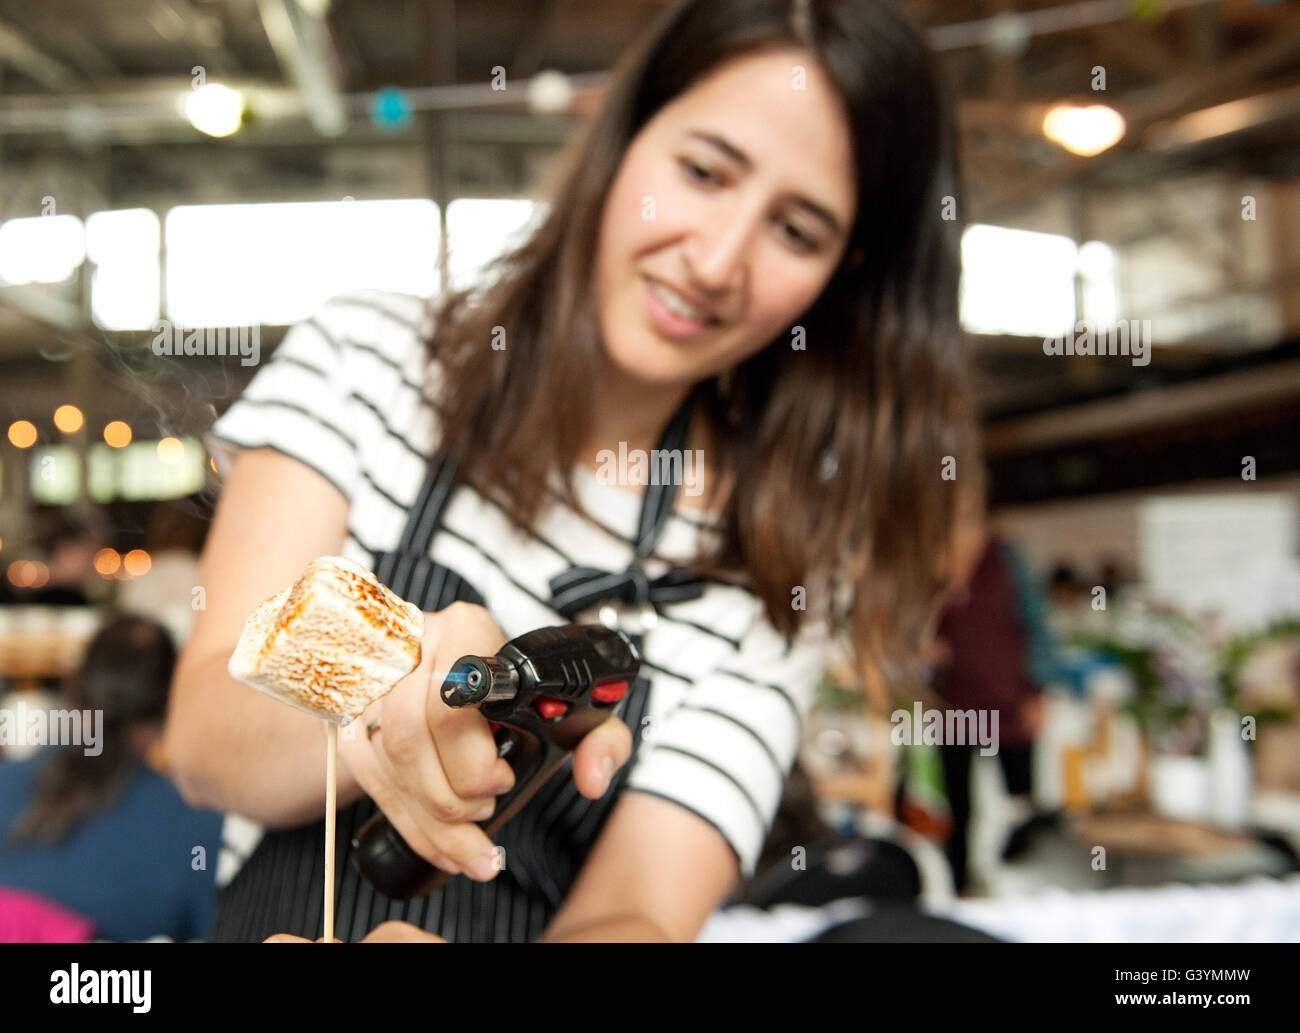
x=347, y=393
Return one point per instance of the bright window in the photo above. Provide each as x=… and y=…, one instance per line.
x=1017, y=281
x=481, y=228
x=138, y=472
x=124, y=287
x=43, y=249
x=55, y=474
x=248, y=264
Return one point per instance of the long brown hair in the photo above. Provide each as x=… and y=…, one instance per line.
x=879, y=394
x=125, y=675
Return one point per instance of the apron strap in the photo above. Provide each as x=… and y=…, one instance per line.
x=657, y=505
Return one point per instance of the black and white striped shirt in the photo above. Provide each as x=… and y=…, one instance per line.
x=346, y=392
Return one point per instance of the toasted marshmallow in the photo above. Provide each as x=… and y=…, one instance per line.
x=331, y=643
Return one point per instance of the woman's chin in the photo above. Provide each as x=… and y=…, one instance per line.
x=653, y=369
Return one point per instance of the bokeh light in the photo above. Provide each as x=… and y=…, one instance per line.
x=171, y=450
x=22, y=434
x=136, y=562
x=68, y=419
x=117, y=434
x=107, y=562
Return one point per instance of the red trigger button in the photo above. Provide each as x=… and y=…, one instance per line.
x=550, y=708
x=493, y=726
x=611, y=692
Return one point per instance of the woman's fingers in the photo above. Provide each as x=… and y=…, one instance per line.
x=363, y=760
x=430, y=800
x=433, y=770
x=400, y=932
x=603, y=750
x=451, y=846
x=466, y=750
x=385, y=932
x=406, y=744
x=467, y=753
x=409, y=757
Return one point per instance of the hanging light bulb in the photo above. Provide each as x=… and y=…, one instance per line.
x=1084, y=131
x=215, y=109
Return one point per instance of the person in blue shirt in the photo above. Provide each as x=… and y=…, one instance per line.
x=91, y=826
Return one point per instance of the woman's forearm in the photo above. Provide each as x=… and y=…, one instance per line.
x=234, y=749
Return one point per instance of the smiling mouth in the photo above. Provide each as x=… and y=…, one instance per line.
x=679, y=306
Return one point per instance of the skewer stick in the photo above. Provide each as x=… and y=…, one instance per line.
x=331, y=792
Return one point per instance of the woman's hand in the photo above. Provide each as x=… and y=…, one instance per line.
x=433, y=769
x=385, y=932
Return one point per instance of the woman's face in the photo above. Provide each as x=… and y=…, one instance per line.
x=739, y=193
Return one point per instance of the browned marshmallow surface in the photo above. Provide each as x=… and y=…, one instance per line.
x=331, y=643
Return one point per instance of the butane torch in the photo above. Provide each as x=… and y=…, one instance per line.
x=541, y=694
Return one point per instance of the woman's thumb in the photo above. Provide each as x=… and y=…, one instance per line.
x=603, y=750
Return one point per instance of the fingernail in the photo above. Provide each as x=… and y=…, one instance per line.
x=484, y=812
x=482, y=868
x=607, y=765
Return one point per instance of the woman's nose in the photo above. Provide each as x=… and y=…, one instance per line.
x=721, y=248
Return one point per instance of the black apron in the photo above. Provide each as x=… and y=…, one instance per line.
x=280, y=888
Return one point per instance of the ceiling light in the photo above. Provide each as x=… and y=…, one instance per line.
x=1084, y=131
x=215, y=109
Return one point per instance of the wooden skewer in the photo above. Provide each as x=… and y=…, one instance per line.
x=331, y=791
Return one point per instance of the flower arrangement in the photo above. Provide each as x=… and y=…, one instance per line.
x=1185, y=667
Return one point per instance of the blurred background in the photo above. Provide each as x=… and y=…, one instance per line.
x=214, y=170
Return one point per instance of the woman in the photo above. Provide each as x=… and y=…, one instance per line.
x=744, y=261
x=89, y=829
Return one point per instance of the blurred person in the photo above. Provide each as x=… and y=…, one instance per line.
x=990, y=644
x=1113, y=575
x=173, y=539
x=71, y=548
x=1065, y=589
x=95, y=838
x=788, y=311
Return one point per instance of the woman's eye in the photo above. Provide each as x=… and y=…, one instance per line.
x=800, y=240
x=696, y=172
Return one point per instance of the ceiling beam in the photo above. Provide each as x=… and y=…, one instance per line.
x=1119, y=417
x=21, y=53
x=303, y=45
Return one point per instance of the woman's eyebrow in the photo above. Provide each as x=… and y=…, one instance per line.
x=744, y=161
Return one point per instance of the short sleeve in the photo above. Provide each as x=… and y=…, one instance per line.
x=724, y=751
x=297, y=403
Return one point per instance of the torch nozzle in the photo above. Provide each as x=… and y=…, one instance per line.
x=479, y=679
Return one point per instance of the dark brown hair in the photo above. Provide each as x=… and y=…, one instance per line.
x=126, y=675
x=881, y=387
